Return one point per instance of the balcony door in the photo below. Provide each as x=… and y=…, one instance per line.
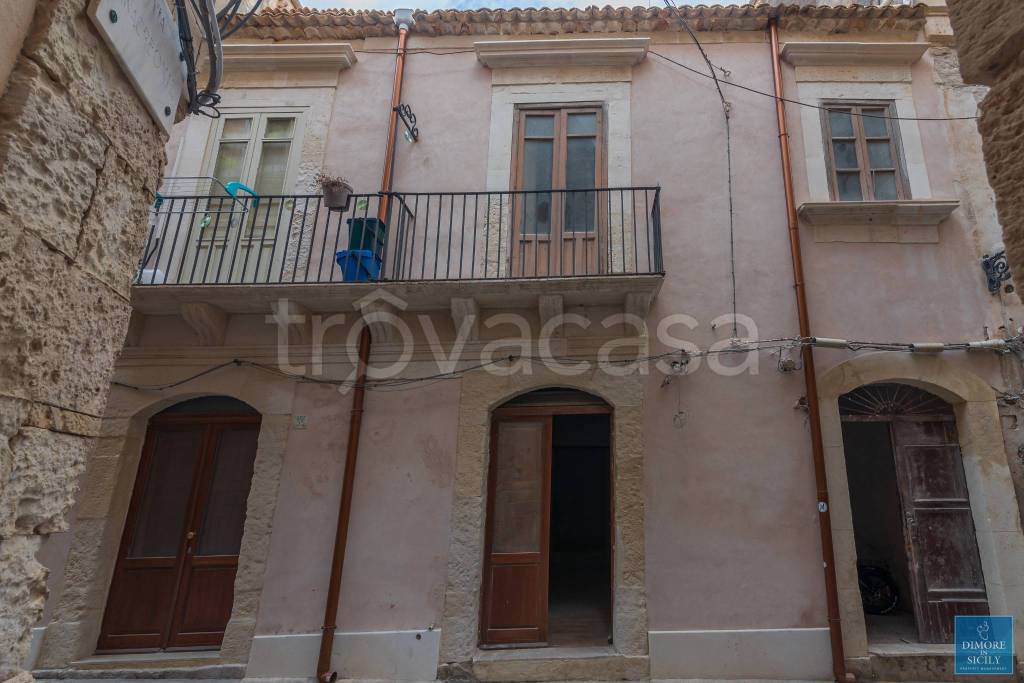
x=242, y=239
x=559, y=158
x=173, y=584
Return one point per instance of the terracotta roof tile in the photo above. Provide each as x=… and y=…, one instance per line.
x=837, y=16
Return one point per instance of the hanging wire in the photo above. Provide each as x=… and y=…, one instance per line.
x=682, y=358
x=216, y=26
x=810, y=104
x=726, y=112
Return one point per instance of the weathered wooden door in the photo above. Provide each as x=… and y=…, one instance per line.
x=942, y=549
x=515, y=591
x=557, y=216
x=174, y=579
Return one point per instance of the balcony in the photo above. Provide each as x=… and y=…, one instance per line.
x=500, y=249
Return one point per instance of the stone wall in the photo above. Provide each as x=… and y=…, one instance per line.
x=990, y=42
x=80, y=159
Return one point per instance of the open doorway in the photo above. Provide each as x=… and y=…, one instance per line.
x=579, y=594
x=918, y=564
x=548, y=559
x=878, y=532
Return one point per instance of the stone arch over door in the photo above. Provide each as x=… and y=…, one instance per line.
x=105, y=492
x=992, y=496
x=481, y=394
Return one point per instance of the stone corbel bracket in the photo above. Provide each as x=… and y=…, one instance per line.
x=298, y=319
x=498, y=54
x=209, y=322
x=551, y=307
x=380, y=310
x=466, y=311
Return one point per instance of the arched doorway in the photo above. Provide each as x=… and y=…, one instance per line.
x=913, y=527
x=174, y=578
x=548, y=551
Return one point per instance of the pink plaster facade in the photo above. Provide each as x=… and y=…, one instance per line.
x=732, y=561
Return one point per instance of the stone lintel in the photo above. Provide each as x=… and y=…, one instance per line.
x=280, y=56
x=561, y=52
x=849, y=53
x=209, y=322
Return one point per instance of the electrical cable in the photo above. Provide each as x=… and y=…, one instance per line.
x=809, y=104
x=226, y=34
x=684, y=357
x=441, y=51
x=726, y=113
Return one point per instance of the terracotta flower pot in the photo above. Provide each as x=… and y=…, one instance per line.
x=337, y=197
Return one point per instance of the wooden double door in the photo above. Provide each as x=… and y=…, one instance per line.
x=174, y=579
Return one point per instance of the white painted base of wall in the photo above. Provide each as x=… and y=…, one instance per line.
x=33, y=648
x=391, y=655
x=780, y=654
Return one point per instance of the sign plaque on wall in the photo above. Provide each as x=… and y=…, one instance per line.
x=143, y=36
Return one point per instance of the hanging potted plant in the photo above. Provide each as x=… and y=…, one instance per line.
x=336, y=190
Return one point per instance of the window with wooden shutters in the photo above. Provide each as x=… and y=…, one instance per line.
x=863, y=152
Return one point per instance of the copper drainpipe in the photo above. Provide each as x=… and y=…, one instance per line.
x=835, y=627
x=324, y=672
x=396, y=99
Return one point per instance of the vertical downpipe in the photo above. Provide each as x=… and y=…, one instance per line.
x=835, y=627
x=324, y=672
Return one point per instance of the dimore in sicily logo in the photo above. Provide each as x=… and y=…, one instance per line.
x=984, y=645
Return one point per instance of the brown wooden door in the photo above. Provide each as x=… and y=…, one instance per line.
x=515, y=592
x=174, y=579
x=559, y=232
x=942, y=550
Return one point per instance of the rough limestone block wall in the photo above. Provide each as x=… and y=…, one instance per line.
x=990, y=42
x=79, y=161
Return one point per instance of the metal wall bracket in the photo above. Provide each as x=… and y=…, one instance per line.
x=997, y=270
x=404, y=111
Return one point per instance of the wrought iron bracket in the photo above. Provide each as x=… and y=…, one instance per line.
x=997, y=270
x=404, y=112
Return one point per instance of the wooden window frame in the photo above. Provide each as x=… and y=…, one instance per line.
x=561, y=112
x=860, y=141
x=251, y=164
x=554, y=241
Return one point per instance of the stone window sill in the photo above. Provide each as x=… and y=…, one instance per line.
x=910, y=221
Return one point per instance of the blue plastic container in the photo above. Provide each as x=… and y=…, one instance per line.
x=358, y=265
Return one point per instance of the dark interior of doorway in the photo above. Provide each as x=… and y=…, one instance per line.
x=579, y=599
x=878, y=523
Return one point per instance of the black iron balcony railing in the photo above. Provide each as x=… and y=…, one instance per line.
x=210, y=240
